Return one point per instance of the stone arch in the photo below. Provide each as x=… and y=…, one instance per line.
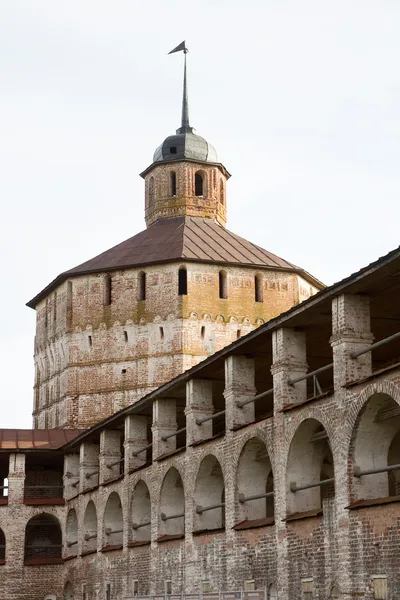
x=172, y=505
x=272, y=593
x=2, y=546
x=43, y=538
x=71, y=529
x=254, y=477
x=141, y=513
x=375, y=443
x=90, y=528
x=209, y=491
x=310, y=461
x=113, y=521
x=68, y=591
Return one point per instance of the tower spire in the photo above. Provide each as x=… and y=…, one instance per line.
x=185, y=125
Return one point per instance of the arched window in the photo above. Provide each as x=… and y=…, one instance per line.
x=142, y=286
x=223, y=284
x=172, y=180
x=258, y=288
x=172, y=505
x=222, y=192
x=151, y=189
x=71, y=532
x=43, y=539
x=68, y=591
x=209, y=496
x=182, y=281
x=310, y=470
x=90, y=528
x=2, y=547
x=199, y=184
x=255, y=482
x=376, y=446
x=113, y=521
x=141, y=513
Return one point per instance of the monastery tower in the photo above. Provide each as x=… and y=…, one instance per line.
x=123, y=323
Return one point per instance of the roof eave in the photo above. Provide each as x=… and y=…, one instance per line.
x=220, y=166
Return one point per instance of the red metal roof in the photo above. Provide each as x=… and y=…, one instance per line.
x=184, y=238
x=39, y=439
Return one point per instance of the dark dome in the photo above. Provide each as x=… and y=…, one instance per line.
x=185, y=146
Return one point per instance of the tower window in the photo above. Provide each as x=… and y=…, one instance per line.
x=126, y=336
x=151, y=189
x=142, y=285
x=108, y=290
x=258, y=290
x=223, y=285
x=221, y=193
x=173, y=183
x=90, y=341
x=162, y=333
x=199, y=184
x=203, y=331
x=182, y=282
x=173, y=150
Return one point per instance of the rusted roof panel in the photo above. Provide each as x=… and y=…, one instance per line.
x=30, y=439
x=190, y=238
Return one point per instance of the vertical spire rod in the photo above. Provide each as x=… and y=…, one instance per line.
x=185, y=126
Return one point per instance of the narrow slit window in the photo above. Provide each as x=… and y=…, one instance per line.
x=182, y=282
x=108, y=290
x=126, y=339
x=90, y=341
x=173, y=183
x=151, y=189
x=162, y=333
x=221, y=193
x=199, y=184
x=258, y=290
x=142, y=285
x=238, y=333
x=203, y=331
x=223, y=285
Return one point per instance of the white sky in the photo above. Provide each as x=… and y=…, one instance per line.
x=301, y=100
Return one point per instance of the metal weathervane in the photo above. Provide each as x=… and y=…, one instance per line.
x=185, y=126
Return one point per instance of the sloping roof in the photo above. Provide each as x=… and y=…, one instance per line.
x=184, y=238
x=36, y=439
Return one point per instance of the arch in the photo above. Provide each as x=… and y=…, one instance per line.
x=142, y=286
x=209, y=491
x=258, y=288
x=43, y=538
x=172, y=183
x=182, y=281
x=90, y=528
x=375, y=443
x=222, y=192
x=71, y=529
x=172, y=505
x=223, y=284
x=272, y=593
x=151, y=189
x=335, y=593
x=113, y=521
x=309, y=461
x=68, y=591
x=254, y=478
x=2, y=547
x=141, y=513
x=200, y=183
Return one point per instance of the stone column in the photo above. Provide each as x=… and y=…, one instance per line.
x=135, y=440
x=88, y=465
x=289, y=362
x=110, y=453
x=16, y=479
x=351, y=332
x=164, y=423
x=239, y=386
x=199, y=404
x=71, y=475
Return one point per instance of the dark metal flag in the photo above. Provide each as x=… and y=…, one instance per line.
x=180, y=48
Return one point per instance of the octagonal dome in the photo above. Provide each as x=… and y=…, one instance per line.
x=185, y=145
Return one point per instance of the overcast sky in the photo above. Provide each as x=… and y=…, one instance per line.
x=300, y=98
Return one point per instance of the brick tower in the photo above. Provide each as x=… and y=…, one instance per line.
x=121, y=324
